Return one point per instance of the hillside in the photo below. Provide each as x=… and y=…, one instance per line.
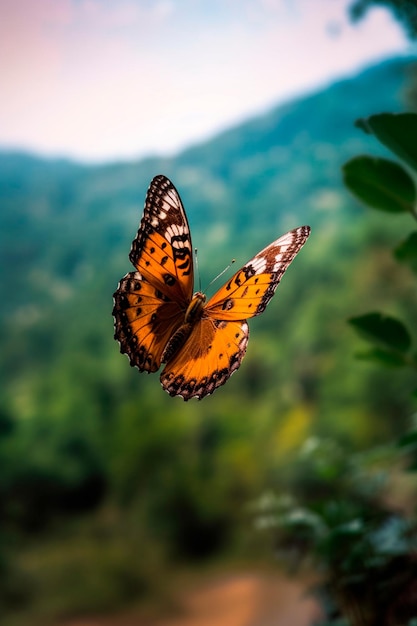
x=65, y=229
x=271, y=173
x=280, y=162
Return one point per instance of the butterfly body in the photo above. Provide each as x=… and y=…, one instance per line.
x=191, y=317
x=158, y=318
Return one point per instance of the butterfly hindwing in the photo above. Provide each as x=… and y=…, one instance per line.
x=145, y=319
x=212, y=352
x=162, y=249
x=248, y=292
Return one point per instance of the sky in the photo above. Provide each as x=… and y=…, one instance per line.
x=101, y=80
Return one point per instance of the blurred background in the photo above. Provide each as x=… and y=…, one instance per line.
x=115, y=498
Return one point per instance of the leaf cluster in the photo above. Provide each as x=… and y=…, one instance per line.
x=388, y=186
x=364, y=552
x=338, y=515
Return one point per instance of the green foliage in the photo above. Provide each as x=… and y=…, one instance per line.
x=392, y=570
x=408, y=443
x=406, y=251
x=395, y=131
x=381, y=184
x=403, y=10
x=338, y=513
x=365, y=552
x=390, y=186
x=391, y=337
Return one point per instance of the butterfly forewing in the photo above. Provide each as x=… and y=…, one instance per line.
x=149, y=304
x=248, y=292
x=162, y=249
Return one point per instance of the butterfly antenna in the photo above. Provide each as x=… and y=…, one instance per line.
x=196, y=268
x=221, y=273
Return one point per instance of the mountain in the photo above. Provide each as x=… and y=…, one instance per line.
x=62, y=219
x=296, y=148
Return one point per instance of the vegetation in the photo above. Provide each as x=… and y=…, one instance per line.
x=403, y=10
x=343, y=511
x=107, y=484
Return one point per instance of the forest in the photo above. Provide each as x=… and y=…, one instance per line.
x=307, y=447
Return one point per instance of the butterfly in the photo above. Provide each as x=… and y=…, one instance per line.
x=160, y=320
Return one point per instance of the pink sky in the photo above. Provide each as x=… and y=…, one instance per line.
x=106, y=79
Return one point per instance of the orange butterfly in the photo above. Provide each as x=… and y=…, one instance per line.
x=159, y=320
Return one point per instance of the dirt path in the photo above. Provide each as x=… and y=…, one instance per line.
x=239, y=600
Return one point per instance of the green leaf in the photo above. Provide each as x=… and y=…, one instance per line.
x=384, y=357
x=409, y=439
x=382, y=330
x=398, y=132
x=412, y=467
x=362, y=123
x=381, y=184
x=406, y=251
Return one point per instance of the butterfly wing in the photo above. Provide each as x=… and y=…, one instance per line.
x=145, y=319
x=212, y=352
x=162, y=249
x=217, y=343
x=149, y=304
x=248, y=292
